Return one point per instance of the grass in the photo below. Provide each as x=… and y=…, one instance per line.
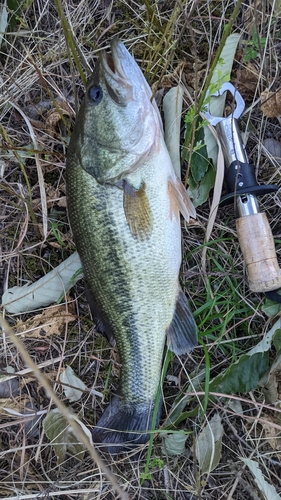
x=171, y=41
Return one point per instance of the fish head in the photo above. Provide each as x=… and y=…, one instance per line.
x=118, y=126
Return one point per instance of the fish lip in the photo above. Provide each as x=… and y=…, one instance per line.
x=112, y=62
x=113, y=68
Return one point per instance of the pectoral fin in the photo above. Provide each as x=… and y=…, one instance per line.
x=137, y=211
x=179, y=200
x=182, y=332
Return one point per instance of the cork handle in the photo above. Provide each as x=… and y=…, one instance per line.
x=257, y=245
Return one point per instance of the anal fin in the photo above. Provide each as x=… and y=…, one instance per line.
x=137, y=211
x=182, y=332
x=180, y=201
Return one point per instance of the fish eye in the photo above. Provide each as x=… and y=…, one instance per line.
x=95, y=94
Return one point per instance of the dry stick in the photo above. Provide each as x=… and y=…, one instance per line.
x=46, y=85
x=245, y=400
x=39, y=170
x=27, y=371
x=55, y=494
x=68, y=415
x=17, y=156
x=70, y=40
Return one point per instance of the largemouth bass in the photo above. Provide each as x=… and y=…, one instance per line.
x=124, y=204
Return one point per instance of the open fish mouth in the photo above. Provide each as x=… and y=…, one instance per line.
x=115, y=70
x=111, y=66
x=112, y=62
x=124, y=79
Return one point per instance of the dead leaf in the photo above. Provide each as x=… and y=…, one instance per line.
x=72, y=385
x=270, y=432
x=62, y=202
x=10, y=387
x=13, y=406
x=268, y=490
x=171, y=79
x=273, y=147
x=62, y=437
x=270, y=389
x=51, y=322
x=23, y=411
x=271, y=382
x=53, y=196
x=195, y=78
x=271, y=103
x=10, y=403
x=209, y=444
x=246, y=81
x=54, y=116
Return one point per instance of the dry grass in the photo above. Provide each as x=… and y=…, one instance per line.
x=40, y=89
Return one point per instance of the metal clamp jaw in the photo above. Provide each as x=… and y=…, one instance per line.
x=240, y=174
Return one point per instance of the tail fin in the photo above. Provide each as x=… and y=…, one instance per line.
x=124, y=426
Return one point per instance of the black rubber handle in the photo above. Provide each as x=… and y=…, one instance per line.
x=240, y=180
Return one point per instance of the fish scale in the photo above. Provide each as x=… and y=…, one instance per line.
x=124, y=292
x=126, y=227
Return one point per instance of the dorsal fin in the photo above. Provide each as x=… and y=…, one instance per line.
x=180, y=201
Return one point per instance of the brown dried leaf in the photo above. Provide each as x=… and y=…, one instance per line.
x=55, y=115
x=271, y=103
x=271, y=433
x=62, y=202
x=14, y=405
x=51, y=322
x=52, y=118
x=22, y=411
x=270, y=389
x=11, y=404
x=247, y=81
x=195, y=78
x=171, y=79
x=53, y=196
x=38, y=124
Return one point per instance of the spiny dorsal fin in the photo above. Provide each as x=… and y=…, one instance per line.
x=137, y=211
x=180, y=201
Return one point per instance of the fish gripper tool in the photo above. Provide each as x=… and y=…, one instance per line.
x=253, y=229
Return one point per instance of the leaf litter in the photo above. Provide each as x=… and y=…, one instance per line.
x=52, y=321
x=230, y=317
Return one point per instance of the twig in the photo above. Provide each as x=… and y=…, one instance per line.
x=69, y=416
